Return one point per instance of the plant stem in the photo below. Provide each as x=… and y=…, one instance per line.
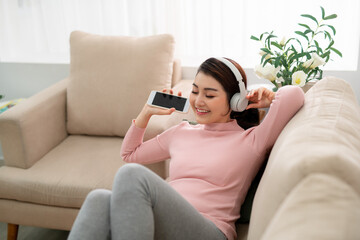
x=313, y=35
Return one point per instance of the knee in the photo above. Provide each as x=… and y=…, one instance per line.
x=130, y=174
x=130, y=171
x=98, y=197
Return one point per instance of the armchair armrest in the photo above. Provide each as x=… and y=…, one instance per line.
x=35, y=126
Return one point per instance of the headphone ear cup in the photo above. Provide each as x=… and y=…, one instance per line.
x=238, y=103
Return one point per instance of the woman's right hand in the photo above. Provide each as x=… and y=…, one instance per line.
x=148, y=111
x=260, y=98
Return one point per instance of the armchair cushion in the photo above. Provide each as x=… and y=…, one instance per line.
x=65, y=175
x=113, y=65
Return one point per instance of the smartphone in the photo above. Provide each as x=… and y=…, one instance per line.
x=164, y=100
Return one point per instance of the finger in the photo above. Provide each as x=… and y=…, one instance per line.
x=252, y=96
x=164, y=90
x=253, y=105
x=248, y=95
x=249, y=106
x=171, y=91
x=261, y=90
x=169, y=111
x=179, y=93
x=251, y=93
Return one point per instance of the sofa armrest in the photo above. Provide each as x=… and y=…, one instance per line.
x=320, y=207
x=35, y=126
x=323, y=137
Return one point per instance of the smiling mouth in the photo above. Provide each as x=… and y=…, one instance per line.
x=201, y=111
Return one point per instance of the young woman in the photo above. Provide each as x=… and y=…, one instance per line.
x=212, y=163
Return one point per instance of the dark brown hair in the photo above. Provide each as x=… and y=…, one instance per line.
x=224, y=75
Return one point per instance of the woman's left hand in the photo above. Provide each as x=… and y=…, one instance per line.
x=260, y=98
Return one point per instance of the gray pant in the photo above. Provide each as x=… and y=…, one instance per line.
x=141, y=206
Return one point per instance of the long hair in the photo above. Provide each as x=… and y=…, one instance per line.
x=223, y=74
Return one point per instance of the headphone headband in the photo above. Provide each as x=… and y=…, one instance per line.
x=232, y=68
x=238, y=102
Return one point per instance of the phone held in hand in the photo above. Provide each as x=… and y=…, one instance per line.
x=164, y=100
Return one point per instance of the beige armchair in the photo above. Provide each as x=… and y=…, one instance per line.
x=65, y=141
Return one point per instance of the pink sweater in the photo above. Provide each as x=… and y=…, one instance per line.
x=213, y=165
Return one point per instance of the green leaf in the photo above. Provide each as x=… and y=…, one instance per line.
x=266, y=50
x=276, y=45
x=327, y=58
x=326, y=54
x=302, y=34
x=277, y=62
x=299, y=55
x=293, y=49
x=267, y=60
x=268, y=40
x=261, y=36
x=270, y=36
x=304, y=25
x=317, y=44
x=311, y=17
x=322, y=12
x=332, y=16
x=332, y=28
x=336, y=51
x=299, y=44
x=254, y=38
x=263, y=58
x=330, y=45
x=284, y=63
x=308, y=31
x=327, y=34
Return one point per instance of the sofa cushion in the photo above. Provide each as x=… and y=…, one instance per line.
x=322, y=138
x=111, y=78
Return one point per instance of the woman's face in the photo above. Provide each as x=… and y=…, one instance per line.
x=208, y=100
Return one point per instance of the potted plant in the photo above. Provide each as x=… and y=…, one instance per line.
x=296, y=61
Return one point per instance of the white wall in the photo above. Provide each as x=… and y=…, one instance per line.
x=22, y=80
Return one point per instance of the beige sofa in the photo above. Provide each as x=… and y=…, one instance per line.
x=65, y=141
x=311, y=185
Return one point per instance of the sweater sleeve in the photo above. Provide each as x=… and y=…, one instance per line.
x=133, y=149
x=288, y=100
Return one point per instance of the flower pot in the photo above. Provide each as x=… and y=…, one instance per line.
x=308, y=85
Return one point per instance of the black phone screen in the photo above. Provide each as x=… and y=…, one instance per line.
x=169, y=101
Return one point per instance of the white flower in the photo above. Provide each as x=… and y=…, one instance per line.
x=268, y=72
x=283, y=41
x=298, y=78
x=314, y=61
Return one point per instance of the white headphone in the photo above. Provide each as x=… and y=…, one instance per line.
x=238, y=102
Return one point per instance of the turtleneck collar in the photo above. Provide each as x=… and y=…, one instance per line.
x=228, y=126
